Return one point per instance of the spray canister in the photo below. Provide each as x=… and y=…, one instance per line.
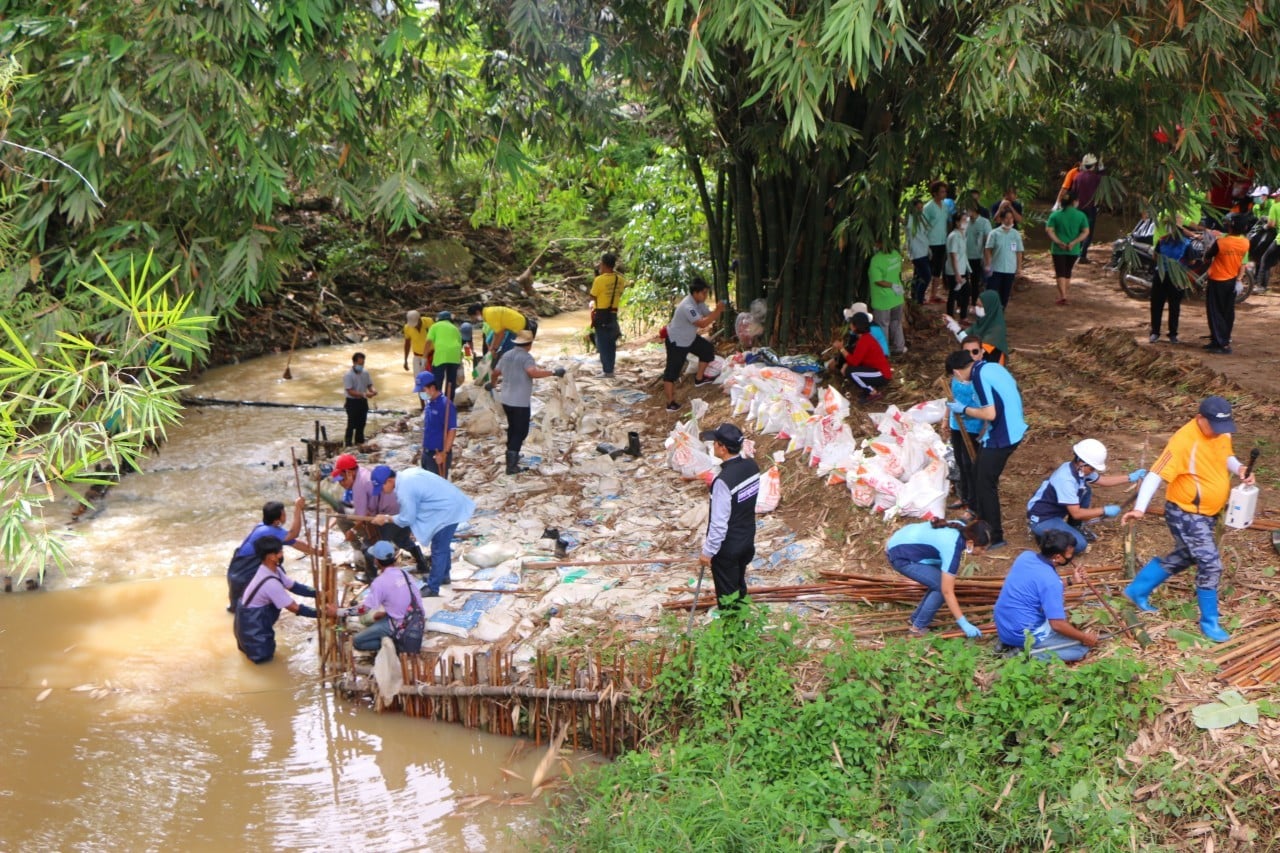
x=1243, y=501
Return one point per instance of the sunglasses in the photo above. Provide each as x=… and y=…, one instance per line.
x=973, y=351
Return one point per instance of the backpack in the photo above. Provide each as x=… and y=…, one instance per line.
x=408, y=634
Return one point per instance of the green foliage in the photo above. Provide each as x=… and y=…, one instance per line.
x=78, y=406
x=915, y=746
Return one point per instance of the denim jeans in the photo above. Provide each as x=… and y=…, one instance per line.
x=607, y=334
x=1048, y=524
x=441, y=556
x=370, y=639
x=931, y=577
x=1068, y=653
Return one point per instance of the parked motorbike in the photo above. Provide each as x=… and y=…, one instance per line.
x=1134, y=263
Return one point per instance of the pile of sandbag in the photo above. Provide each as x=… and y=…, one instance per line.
x=900, y=471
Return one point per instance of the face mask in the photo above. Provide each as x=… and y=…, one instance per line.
x=358, y=368
x=968, y=549
x=423, y=395
x=1007, y=226
x=963, y=226
x=979, y=311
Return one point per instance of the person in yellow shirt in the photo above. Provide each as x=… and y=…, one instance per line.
x=1197, y=465
x=606, y=292
x=415, y=340
x=504, y=324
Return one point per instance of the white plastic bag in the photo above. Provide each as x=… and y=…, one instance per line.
x=928, y=412
x=490, y=554
x=925, y=494
x=770, y=490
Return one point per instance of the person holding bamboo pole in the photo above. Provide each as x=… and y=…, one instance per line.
x=245, y=561
x=266, y=595
x=1032, y=602
x=439, y=425
x=929, y=553
x=432, y=508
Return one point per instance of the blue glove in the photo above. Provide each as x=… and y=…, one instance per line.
x=957, y=408
x=558, y=372
x=1137, y=475
x=1111, y=510
x=969, y=629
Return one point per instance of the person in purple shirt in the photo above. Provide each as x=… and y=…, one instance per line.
x=390, y=597
x=265, y=596
x=245, y=561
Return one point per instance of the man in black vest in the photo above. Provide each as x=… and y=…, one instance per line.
x=730, y=542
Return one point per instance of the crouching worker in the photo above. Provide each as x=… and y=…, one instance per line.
x=245, y=560
x=389, y=600
x=266, y=596
x=1064, y=500
x=1031, y=602
x=929, y=554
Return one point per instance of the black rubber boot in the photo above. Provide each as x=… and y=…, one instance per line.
x=513, y=463
x=633, y=444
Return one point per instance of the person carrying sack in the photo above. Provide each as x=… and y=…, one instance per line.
x=394, y=604
x=606, y=292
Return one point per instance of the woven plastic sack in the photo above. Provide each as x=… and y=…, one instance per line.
x=770, y=490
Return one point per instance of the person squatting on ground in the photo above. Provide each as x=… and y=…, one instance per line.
x=245, y=560
x=1171, y=246
x=416, y=329
x=865, y=364
x=887, y=295
x=357, y=386
x=690, y=317
x=379, y=499
x=1064, y=500
x=432, y=508
x=444, y=353
x=1032, y=602
x=516, y=371
x=998, y=402
x=1197, y=465
x=388, y=600
x=962, y=392
x=929, y=553
x=956, y=267
x=730, y=542
x=1068, y=229
x=606, y=292
x=1002, y=255
x=439, y=425
x=1226, y=257
x=265, y=596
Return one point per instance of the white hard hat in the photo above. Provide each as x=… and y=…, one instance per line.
x=1091, y=452
x=1260, y=191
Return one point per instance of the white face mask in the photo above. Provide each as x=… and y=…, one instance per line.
x=423, y=395
x=979, y=311
x=1007, y=226
x=968, y=549
x=358, y=368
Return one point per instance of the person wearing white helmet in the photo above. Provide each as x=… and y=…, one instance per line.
x=415, y=332
x=1064, y=500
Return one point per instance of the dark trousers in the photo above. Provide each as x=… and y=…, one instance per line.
x=977, y=278
x=1002, y=284
x=1092, y=212
x=964, y=466
x=957, y=300
x=920, y=275
x=357, y=416
x=1270, y=257
x=428, y=462
x=447, y=378
x=986, y=486
x=517, y=426
x=403, y=539
x=1164, y=291
x=729, y=572
x=1220, y=305
x=607, y=334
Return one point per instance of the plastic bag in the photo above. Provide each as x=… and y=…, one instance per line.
x=925, y=494
x=492, y=553
x=770, y=490
x=928, y=412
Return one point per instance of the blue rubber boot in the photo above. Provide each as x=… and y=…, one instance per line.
x=1151, y=576
x=1208, y=599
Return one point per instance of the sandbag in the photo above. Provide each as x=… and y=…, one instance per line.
x=492, y=553
x=770, y=490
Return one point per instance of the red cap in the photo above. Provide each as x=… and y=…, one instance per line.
x=345, y=462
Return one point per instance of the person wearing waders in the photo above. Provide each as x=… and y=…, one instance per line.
x=266, y=595
x=389, y=599
x=245, y=561
x=730, y=542
x=1196, y=465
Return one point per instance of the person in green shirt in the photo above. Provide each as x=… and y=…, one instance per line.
x=885, y=275
x=444, y=352
x=1067, y=229
x=1268, y=252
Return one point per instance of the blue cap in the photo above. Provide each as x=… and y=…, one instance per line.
x=1217, y=411
x=467, y=329
x=380, y=476
x=382, y=550
x=444, y=316
x=424, y=379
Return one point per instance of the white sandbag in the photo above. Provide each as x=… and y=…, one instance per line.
x=928, y=412
x=387, y=675
x=490, y=554
x=770, y=490
x=925, y=494
x=465, y=396
x=480, y=421
x=494, y=625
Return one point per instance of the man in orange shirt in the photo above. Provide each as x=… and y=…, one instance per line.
x=1227, y=255
x=1197, y=465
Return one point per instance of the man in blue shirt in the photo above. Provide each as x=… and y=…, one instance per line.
x=432, y=508
x=439, y=425
x=1064, y=500
x=998, y=402
x=245, y=561
x=1031, y=602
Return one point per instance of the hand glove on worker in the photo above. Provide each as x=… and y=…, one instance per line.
x=558, y=372
x=1111, y=510
x=957, y=408
x=1137, y=475
x=970, y=630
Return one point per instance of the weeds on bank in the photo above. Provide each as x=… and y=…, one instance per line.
x=919, y=746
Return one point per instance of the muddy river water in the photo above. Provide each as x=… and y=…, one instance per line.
x=130, y=721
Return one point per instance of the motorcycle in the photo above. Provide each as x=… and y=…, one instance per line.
x=1134, y=263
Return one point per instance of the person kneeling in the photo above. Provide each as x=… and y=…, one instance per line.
x=1031, y=602
x=389, y=600
x=866, y=364
x=267, y=594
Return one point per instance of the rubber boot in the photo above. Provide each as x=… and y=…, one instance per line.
x=513, y=463
x=633, y=444
x=1208, y=599
x=1151, y=576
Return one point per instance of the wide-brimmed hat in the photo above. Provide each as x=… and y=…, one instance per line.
x=1088, y=160
x=727, y=434
x=523, y=339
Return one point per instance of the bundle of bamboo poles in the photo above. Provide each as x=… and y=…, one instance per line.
x=1251, y=658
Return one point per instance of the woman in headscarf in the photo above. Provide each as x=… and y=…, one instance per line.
x=989, y=327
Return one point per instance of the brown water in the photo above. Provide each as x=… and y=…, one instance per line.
x=174, y=740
